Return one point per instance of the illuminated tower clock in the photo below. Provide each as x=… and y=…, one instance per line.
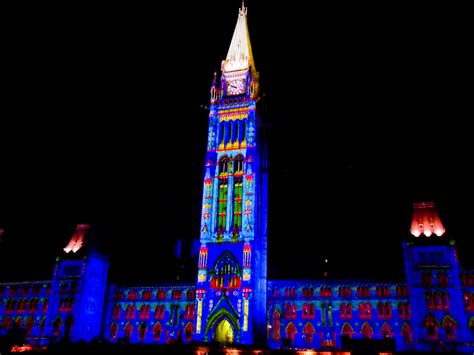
x=232, y=266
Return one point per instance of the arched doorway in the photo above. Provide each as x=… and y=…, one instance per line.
x=224, y=333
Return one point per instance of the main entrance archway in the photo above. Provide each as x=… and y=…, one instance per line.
x=224, y=333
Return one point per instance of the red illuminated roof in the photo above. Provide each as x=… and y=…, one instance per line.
x=77, y=239
x=426, y=220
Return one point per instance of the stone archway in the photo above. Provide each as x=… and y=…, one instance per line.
x=224, y=332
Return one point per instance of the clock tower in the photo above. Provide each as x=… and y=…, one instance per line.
x=232, y=266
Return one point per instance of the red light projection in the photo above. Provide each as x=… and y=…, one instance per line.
x=426, y=220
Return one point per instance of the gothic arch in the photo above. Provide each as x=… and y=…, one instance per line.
x=407, y=334
x=57, y=325
x=127, y=330
x=386, y=330
x=276, y=332
x=239, y=164
x=113, y=330
x=366, y=331
x=432, y=325
x=218, y=317
x=30, y=322
x=224, y=165
x=157, y=330
x=142, y=328
x=347, y=330
x=449, y=325
x=290, y=332
x=231, y=260
x=308, y=332
x=189, y=331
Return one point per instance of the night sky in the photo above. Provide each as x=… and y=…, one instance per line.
x=366, y=111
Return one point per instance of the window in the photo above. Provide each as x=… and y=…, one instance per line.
x=449, y=326
x=224, y=165
x=290, y=332
x=431, y=324
x=157, y=329
x=222, y=203
x=308, y=332
x=365, y=310
x=160, y=312
x=189, y=331
x=276, y=325
x=407, y=333
x=238, y=195
x=142, y=331
x=116, y=311
x=386, y=331
x=239, y=164
x=442, y=279
x=113, y=331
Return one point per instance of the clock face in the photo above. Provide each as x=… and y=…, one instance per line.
x=235, y=87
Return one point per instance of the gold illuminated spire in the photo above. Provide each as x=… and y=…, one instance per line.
x=239, y=56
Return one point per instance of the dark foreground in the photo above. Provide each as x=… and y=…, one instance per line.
x=196, y=349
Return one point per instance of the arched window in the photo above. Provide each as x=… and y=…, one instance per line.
x=308, y=332
x=386, y=331
x=445, y=300
x=366, y=331
x=239, y=164
x=160, y=312
x=365, y=310
x=113, y=331
x=238, y=197
x=224, y=165
x=442, y=278
x=290, y=332
x=449, y=326
x=29, y=325
x=347, y=330
x=305, y=311
x=57, y=326
x=157, y=329
x=222, y=203
x=127, y=331
x=189, y=331
x=116, y=311
x=407, y=333
x=431, y=324
x=276, y=325
x=430, y=301
x=142, y=331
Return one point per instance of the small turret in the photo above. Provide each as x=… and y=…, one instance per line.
x=77, y=239
x=214, y=90
x=425, y=220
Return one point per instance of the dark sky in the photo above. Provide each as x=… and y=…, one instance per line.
x=367, y=111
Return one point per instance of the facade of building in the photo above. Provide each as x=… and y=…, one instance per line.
x=232, y=301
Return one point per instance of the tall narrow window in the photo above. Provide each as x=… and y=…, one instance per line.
x=224, y=165
x=239, y=164
x=223, y=187
x=238, y=203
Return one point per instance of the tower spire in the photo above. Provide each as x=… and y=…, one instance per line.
x=239, y=56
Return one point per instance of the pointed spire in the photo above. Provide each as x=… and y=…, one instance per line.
x=239, y=56
x=214, y=90
x=77, y=239
x=425, y=220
